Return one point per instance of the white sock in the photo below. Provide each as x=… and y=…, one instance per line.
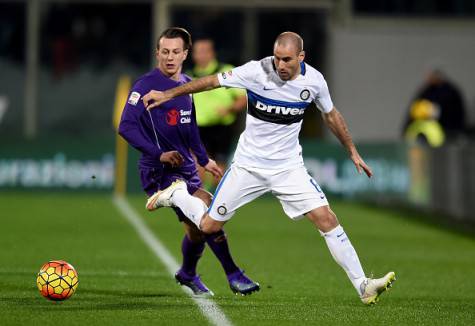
x=193, y=207
x=345, y=255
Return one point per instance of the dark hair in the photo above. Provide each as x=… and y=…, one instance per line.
x=176, y=32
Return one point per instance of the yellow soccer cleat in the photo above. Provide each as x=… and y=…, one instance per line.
x=372, y=288
x=162, y=197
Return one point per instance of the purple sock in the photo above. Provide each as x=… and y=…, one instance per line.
x=218, y=243
x=192, y=252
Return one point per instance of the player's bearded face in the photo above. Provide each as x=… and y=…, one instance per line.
x=171, y=55
x=287, y=61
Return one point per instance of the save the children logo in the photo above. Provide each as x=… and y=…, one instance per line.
x=172, y=117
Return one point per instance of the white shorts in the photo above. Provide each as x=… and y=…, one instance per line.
x=296, y=190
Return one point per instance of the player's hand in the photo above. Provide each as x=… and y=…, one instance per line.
x=361, y=165
x=153, y=99
x=173, y=158
x=214, y=169
x=222, y=112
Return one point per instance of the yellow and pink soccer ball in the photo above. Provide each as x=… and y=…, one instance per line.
x=57, y=280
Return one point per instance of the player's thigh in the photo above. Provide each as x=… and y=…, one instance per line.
x=297, y=192
x=237, y=188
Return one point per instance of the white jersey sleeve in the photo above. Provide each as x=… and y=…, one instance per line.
x=323, y=100
x=240, y=76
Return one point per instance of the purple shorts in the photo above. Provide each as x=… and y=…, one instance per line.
x=154, y=179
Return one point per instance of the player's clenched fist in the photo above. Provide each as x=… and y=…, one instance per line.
x=153, y=99
x=173, y=158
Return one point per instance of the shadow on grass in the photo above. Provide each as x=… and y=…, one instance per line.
x=95, y=292
x=39, y=304
x=119, y=301
x=88, y=297
x=126, y=293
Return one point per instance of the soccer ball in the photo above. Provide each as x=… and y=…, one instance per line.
x=57, y=280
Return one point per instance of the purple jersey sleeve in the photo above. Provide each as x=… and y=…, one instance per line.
x=197, y=145
x=132, y=129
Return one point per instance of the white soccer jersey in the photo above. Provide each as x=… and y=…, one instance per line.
x=275, y=109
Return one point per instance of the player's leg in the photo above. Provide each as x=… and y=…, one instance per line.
x=193, y=242
x=345, y=255
x=217, y=241
x=192, y=206
x=192, y=247
x=300, y=195
x=338, y=243
x=236, y=188
x=177, y=195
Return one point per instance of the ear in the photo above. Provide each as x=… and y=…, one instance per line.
x=185, y=53
x=301, y=56
x=156, y=53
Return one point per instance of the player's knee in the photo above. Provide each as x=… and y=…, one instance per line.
x=328, y=221
x=194, y=234
x=323, y=218
x=210, y=226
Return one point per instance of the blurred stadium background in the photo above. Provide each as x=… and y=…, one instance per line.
x=61, y=63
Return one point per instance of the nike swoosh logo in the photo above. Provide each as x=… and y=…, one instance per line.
x=268, y=89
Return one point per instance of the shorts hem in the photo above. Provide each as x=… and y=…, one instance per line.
x=300, y=214
x=221, y=218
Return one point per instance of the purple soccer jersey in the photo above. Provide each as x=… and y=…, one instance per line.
x=170, y=127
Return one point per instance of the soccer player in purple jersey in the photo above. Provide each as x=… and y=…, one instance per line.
x=166, y=138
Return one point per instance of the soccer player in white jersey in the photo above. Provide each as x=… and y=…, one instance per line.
x=268, y=156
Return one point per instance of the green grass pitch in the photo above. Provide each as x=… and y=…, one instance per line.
x=121, y=282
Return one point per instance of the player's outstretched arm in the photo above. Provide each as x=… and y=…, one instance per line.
x=155, y=98
x=337, y=125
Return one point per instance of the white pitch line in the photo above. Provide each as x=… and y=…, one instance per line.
x=209, y=309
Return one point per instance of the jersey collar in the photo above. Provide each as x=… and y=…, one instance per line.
x=303, y=70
